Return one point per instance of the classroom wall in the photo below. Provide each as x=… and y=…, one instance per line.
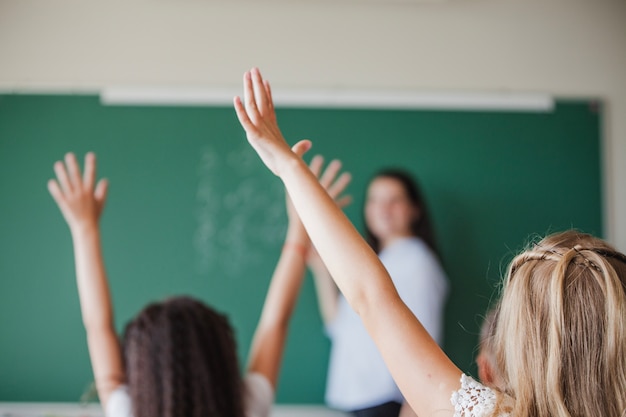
x=570, y=48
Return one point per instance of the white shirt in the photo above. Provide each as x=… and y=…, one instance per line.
x=258, y=398
x=474, y=399
x=357, y=375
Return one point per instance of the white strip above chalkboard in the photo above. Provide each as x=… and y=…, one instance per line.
x=95, y=410
x=497, y=101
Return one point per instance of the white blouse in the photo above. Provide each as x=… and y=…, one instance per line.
x=474, y=399
x=258, y=398
x=357, y=375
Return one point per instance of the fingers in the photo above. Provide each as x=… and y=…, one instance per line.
x=268, y=92
x=257, y=98
x=100, y=194
x=73, y=170
x=270, y=99
x=102, y=188
x=79, y=203
x=316, y=165
x=69, y=180
x=260, y=93
x=339, y=185
x=69, y=176
x=258, y=105
x=62, y=177
x=301, y=147
x=249, y=99
x=57, y=194
x=89, y=176
x=344, y=201
x=242, y=115
x=329, y=180
x=330, y=173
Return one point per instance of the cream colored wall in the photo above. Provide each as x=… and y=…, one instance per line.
x=570, y=48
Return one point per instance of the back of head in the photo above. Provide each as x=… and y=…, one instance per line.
x=180, y=358
x=487, y=366
x=560, y=336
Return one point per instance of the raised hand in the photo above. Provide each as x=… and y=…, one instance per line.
x=258, y=118
x=81, y=205
x=334, y=185
x=79, y=202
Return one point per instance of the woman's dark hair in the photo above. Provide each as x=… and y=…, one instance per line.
x=181, y=360
x=421, y=227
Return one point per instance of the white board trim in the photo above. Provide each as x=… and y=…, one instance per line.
x=359, y=99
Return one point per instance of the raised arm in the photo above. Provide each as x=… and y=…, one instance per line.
x=423, y=372
x=325, y=287
x=406, y=411
x=269, y=338
x=81, y=203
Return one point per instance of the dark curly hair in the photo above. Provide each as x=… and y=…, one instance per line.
x=420, y=227
x=181, y=360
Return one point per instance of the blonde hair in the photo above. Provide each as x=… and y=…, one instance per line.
x=560, y=335
x=488, y=371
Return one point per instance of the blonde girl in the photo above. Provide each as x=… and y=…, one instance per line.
x=561, y=327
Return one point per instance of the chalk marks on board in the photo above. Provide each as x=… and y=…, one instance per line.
x=239, y=211
x=207, y=204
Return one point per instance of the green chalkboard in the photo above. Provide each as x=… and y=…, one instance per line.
x=192, y=210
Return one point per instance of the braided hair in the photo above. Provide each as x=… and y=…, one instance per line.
x=560, y=336
x=180, y=358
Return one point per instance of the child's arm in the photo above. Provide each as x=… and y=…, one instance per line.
x=81, y=205
x=421, y=369
x=406, y=411
x=325, y=287
x=269, y=338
